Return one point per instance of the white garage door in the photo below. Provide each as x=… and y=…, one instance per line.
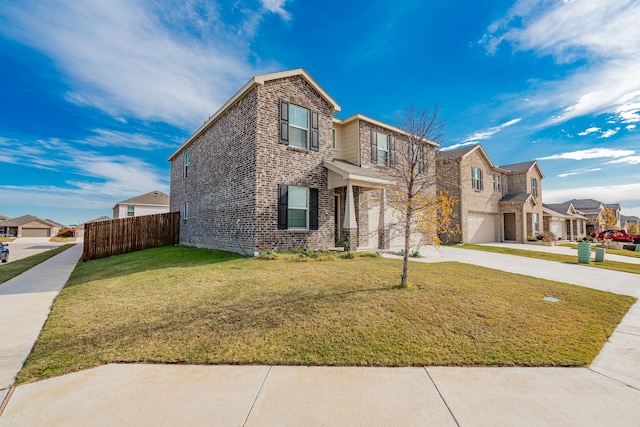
x=556, y=228
x=36, y=232
x=481, y=228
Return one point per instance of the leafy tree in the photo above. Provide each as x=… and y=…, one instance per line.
x=633, y=229
x=422, y=211
x=608, y=219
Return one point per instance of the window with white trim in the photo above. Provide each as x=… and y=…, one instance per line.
x=477, y=181
x=131, y=211
x=299, y=126
x=186, y=164
x=534, y=187
x=297, y=208
x=497, y=182
x=536, y=222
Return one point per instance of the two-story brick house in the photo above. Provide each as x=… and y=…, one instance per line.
x=274, y=167
x=493, y=203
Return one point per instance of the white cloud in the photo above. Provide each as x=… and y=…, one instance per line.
x=578, y=172
x=632, y=160
x=601, y=35
x=102, y=176
x=592, y=153
x=588, y=131
x=175, y=63
x=277, y=7
x=630, y=127
x=609, y=133
x=486, y=134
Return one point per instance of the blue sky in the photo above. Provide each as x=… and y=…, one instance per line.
x=97, y=94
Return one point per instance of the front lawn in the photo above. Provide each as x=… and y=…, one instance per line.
x=185, y=305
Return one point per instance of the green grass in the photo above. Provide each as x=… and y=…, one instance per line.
x=569, y=259
x=193, y=306
x=14, y=268
x=622, y=252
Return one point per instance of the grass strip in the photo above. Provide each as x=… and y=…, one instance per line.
x=193, y=306
x=14, y=268
x=569, y=259
x=622, y=252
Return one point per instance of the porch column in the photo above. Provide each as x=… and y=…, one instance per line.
x=572, y=224
x=350, y=225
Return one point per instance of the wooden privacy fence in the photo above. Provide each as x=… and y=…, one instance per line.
x=119, y=236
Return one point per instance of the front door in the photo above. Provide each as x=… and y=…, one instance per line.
x=510, y=226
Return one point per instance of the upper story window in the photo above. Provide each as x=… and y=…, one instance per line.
x=297, y=208
x=333, y=138
x=497, y=182
x=477, y=180
x=131, y=211
x=382, y=148
x=186, y=164
x=534, y=187
x=299, y=126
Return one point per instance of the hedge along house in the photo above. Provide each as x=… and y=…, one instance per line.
x=273, y=167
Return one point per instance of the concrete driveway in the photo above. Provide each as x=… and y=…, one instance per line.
x=24, y=247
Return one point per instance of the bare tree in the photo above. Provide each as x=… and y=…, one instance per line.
x=413, y=194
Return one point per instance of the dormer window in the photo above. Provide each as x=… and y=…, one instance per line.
x=534, y=187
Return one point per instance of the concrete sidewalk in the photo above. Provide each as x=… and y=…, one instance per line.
x=25, y=302
x=607, y=393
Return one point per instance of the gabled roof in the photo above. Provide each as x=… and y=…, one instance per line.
x=522, y=167
x=2, y=217
x=565, y=210
x=57, y=224
x=253, y=82
x=461, y=153
x=25, y=219
x=154, y=198
x=518, y=198
x=614, y=206
x=581, y=204
x=378, y=123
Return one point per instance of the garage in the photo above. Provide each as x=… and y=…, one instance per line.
x=36, y=232
x=481, y=228
x=556, y=227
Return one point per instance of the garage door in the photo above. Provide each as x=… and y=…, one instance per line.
x=556, y=228
x=36, y=232
x=481, y=228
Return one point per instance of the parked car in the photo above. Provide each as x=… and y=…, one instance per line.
x=616, y=236
x=4, y=252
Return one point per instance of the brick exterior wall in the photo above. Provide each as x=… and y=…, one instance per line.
x=235, y=167
x=281, y=164
x=221, y=184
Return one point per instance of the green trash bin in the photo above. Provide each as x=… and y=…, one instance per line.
x=599, y=254
x=584, y=253
x=638, y=247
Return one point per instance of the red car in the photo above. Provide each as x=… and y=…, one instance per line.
x=617, y=236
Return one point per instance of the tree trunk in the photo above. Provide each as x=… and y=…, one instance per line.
x=407, y=238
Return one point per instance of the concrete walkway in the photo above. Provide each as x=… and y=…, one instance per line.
x=607, y=393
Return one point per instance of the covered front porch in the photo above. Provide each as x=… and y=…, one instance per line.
x=361, y=220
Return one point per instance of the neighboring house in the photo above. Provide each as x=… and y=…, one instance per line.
x=493, y=203
x=627, y=221
x=151, y=203
x=594, y=212
x=273, y=167
x=564, y=220
x=29, y=226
